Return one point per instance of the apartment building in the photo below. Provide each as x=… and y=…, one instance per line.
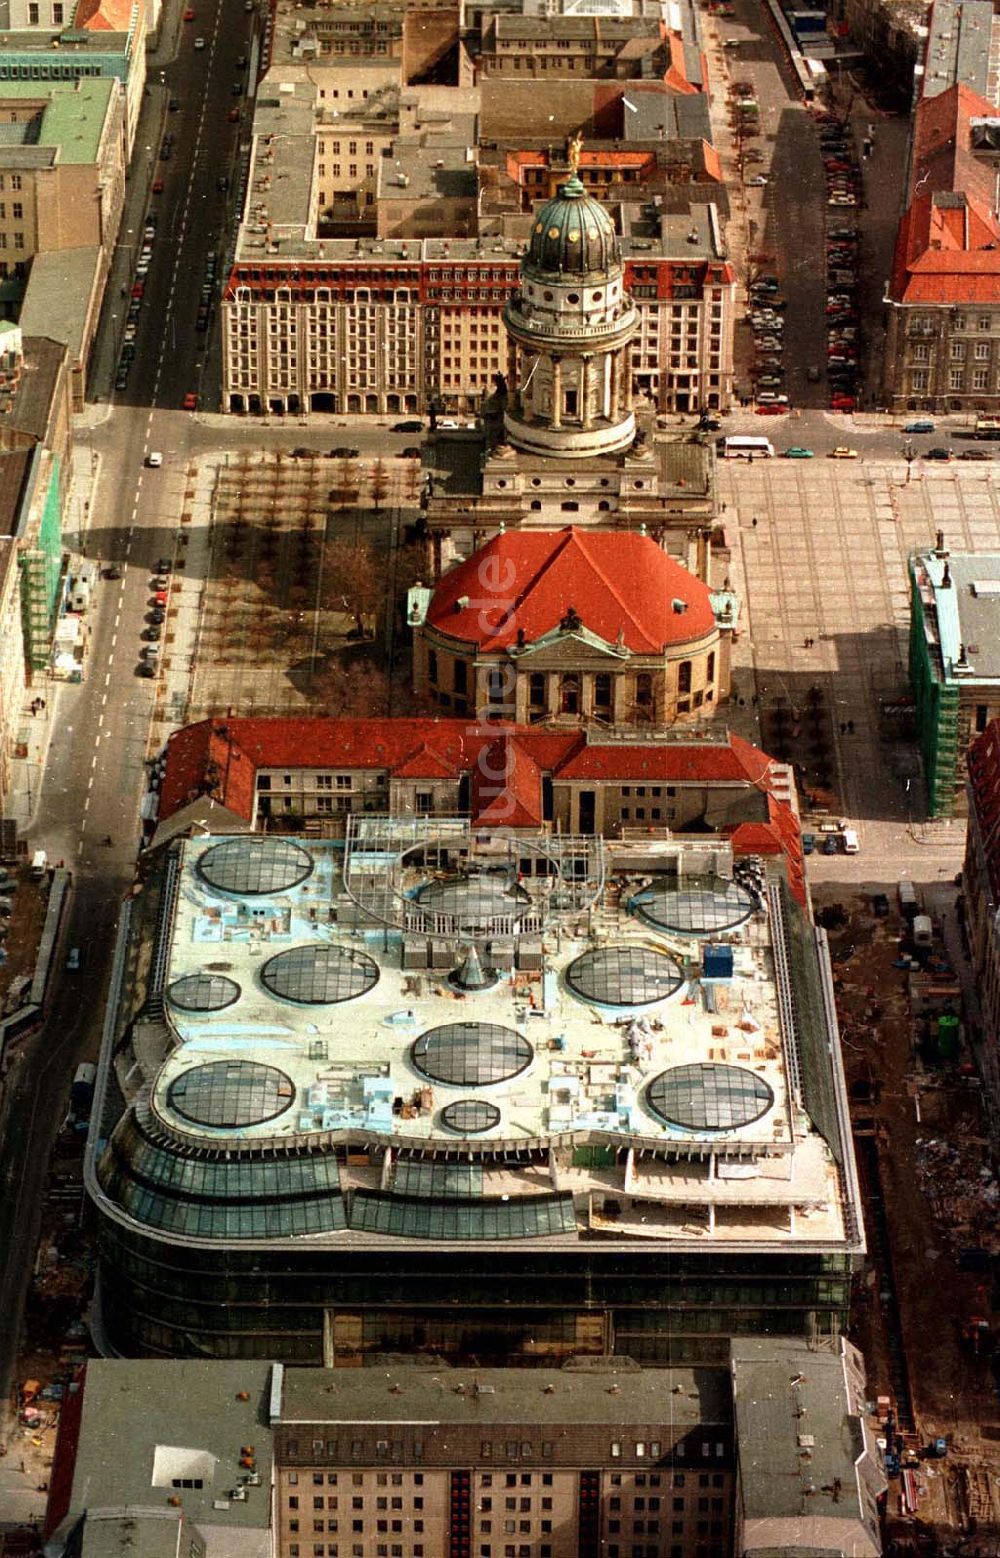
x=942, y=311
x=106, y=41
x=62, y=169
x=416, y=1459
x=582, y=45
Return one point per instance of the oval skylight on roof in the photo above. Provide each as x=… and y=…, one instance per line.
x=227, y=1094
x=203, y=993
x=695, y=905
x=475, y=903
x=249, y=867
x=469, y=1116
x=471, y=1054
x=320, y=975
x=624, y=976
x=709, y=1097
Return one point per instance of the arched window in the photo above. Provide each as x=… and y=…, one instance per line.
x=569, y=694
x=710, y=667
x=644, y=689
x=684, y=677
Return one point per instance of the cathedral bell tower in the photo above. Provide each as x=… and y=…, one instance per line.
x=569, y=328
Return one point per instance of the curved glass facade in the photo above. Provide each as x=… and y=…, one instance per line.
x=208, y=1196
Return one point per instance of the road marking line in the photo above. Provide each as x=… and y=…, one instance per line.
x=114, y=639
x=90, y=786
x=93, y=761
x=107, y=678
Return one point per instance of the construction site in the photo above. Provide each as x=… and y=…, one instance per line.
x=925, y=1306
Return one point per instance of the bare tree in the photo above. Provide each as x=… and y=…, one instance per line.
x=379, y=484
x=351, y=580
x=350, y=684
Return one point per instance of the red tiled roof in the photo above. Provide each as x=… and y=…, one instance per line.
x=507, y=785
x=948, y=251
x=104, y=15
x=618, y=582
x=942, y=144
x=221, y=757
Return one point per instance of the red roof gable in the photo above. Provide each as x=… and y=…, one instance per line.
x=506, y=763
x=507, y=785
x=525, y=581
x=948, y=243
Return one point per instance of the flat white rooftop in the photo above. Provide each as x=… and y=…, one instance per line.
x=635, y=1056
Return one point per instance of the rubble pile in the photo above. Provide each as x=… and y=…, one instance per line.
x=961, y=1190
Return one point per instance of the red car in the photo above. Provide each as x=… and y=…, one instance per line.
x=233, y=115
x=190, y=401
x=138, y=290
x=160, y=597
x=157, y=186
x=772, y=410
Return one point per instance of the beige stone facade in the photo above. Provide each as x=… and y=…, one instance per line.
x=575, y=681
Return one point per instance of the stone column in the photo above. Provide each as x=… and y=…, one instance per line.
x=616, y=385
x=556, y=417
x=585, y=379
x=552, y=692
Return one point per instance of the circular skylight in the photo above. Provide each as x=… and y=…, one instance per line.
x=624, y=976
x=471, y=1054
x=319, y=975
x=250, y=866
x=475, y=903
x=695, y=905
x=469, y=1116
x=231, y=1093
x=203, y=992
x=709, y=1097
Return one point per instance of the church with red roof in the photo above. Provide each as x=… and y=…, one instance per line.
x=573, y=627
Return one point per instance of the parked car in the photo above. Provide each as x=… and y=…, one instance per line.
x=975, y=454
x=843, y=453
x=414, y=426
x=344, y=452
x=939, y=453
x=796, y=452
x=919, y=425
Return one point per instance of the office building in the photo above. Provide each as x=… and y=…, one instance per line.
x=416, y=1459
x=954, y=664
x=473, y=1088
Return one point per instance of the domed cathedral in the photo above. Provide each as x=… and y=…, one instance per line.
x=569, y=328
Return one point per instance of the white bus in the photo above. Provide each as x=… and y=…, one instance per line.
x=747, y=448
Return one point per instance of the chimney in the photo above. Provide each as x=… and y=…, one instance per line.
x=939, y=545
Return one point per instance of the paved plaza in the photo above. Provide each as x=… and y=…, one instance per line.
x=826, y=561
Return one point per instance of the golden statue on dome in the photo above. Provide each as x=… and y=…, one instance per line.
x=573, y=151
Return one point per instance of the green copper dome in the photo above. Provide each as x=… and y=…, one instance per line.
x=573, y=234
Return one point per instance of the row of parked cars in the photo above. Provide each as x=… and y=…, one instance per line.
x=144, y=260
x=767, y=322
x=843, y=194
x=159, y=587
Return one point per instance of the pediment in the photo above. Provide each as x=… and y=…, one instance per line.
x=571, y=649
